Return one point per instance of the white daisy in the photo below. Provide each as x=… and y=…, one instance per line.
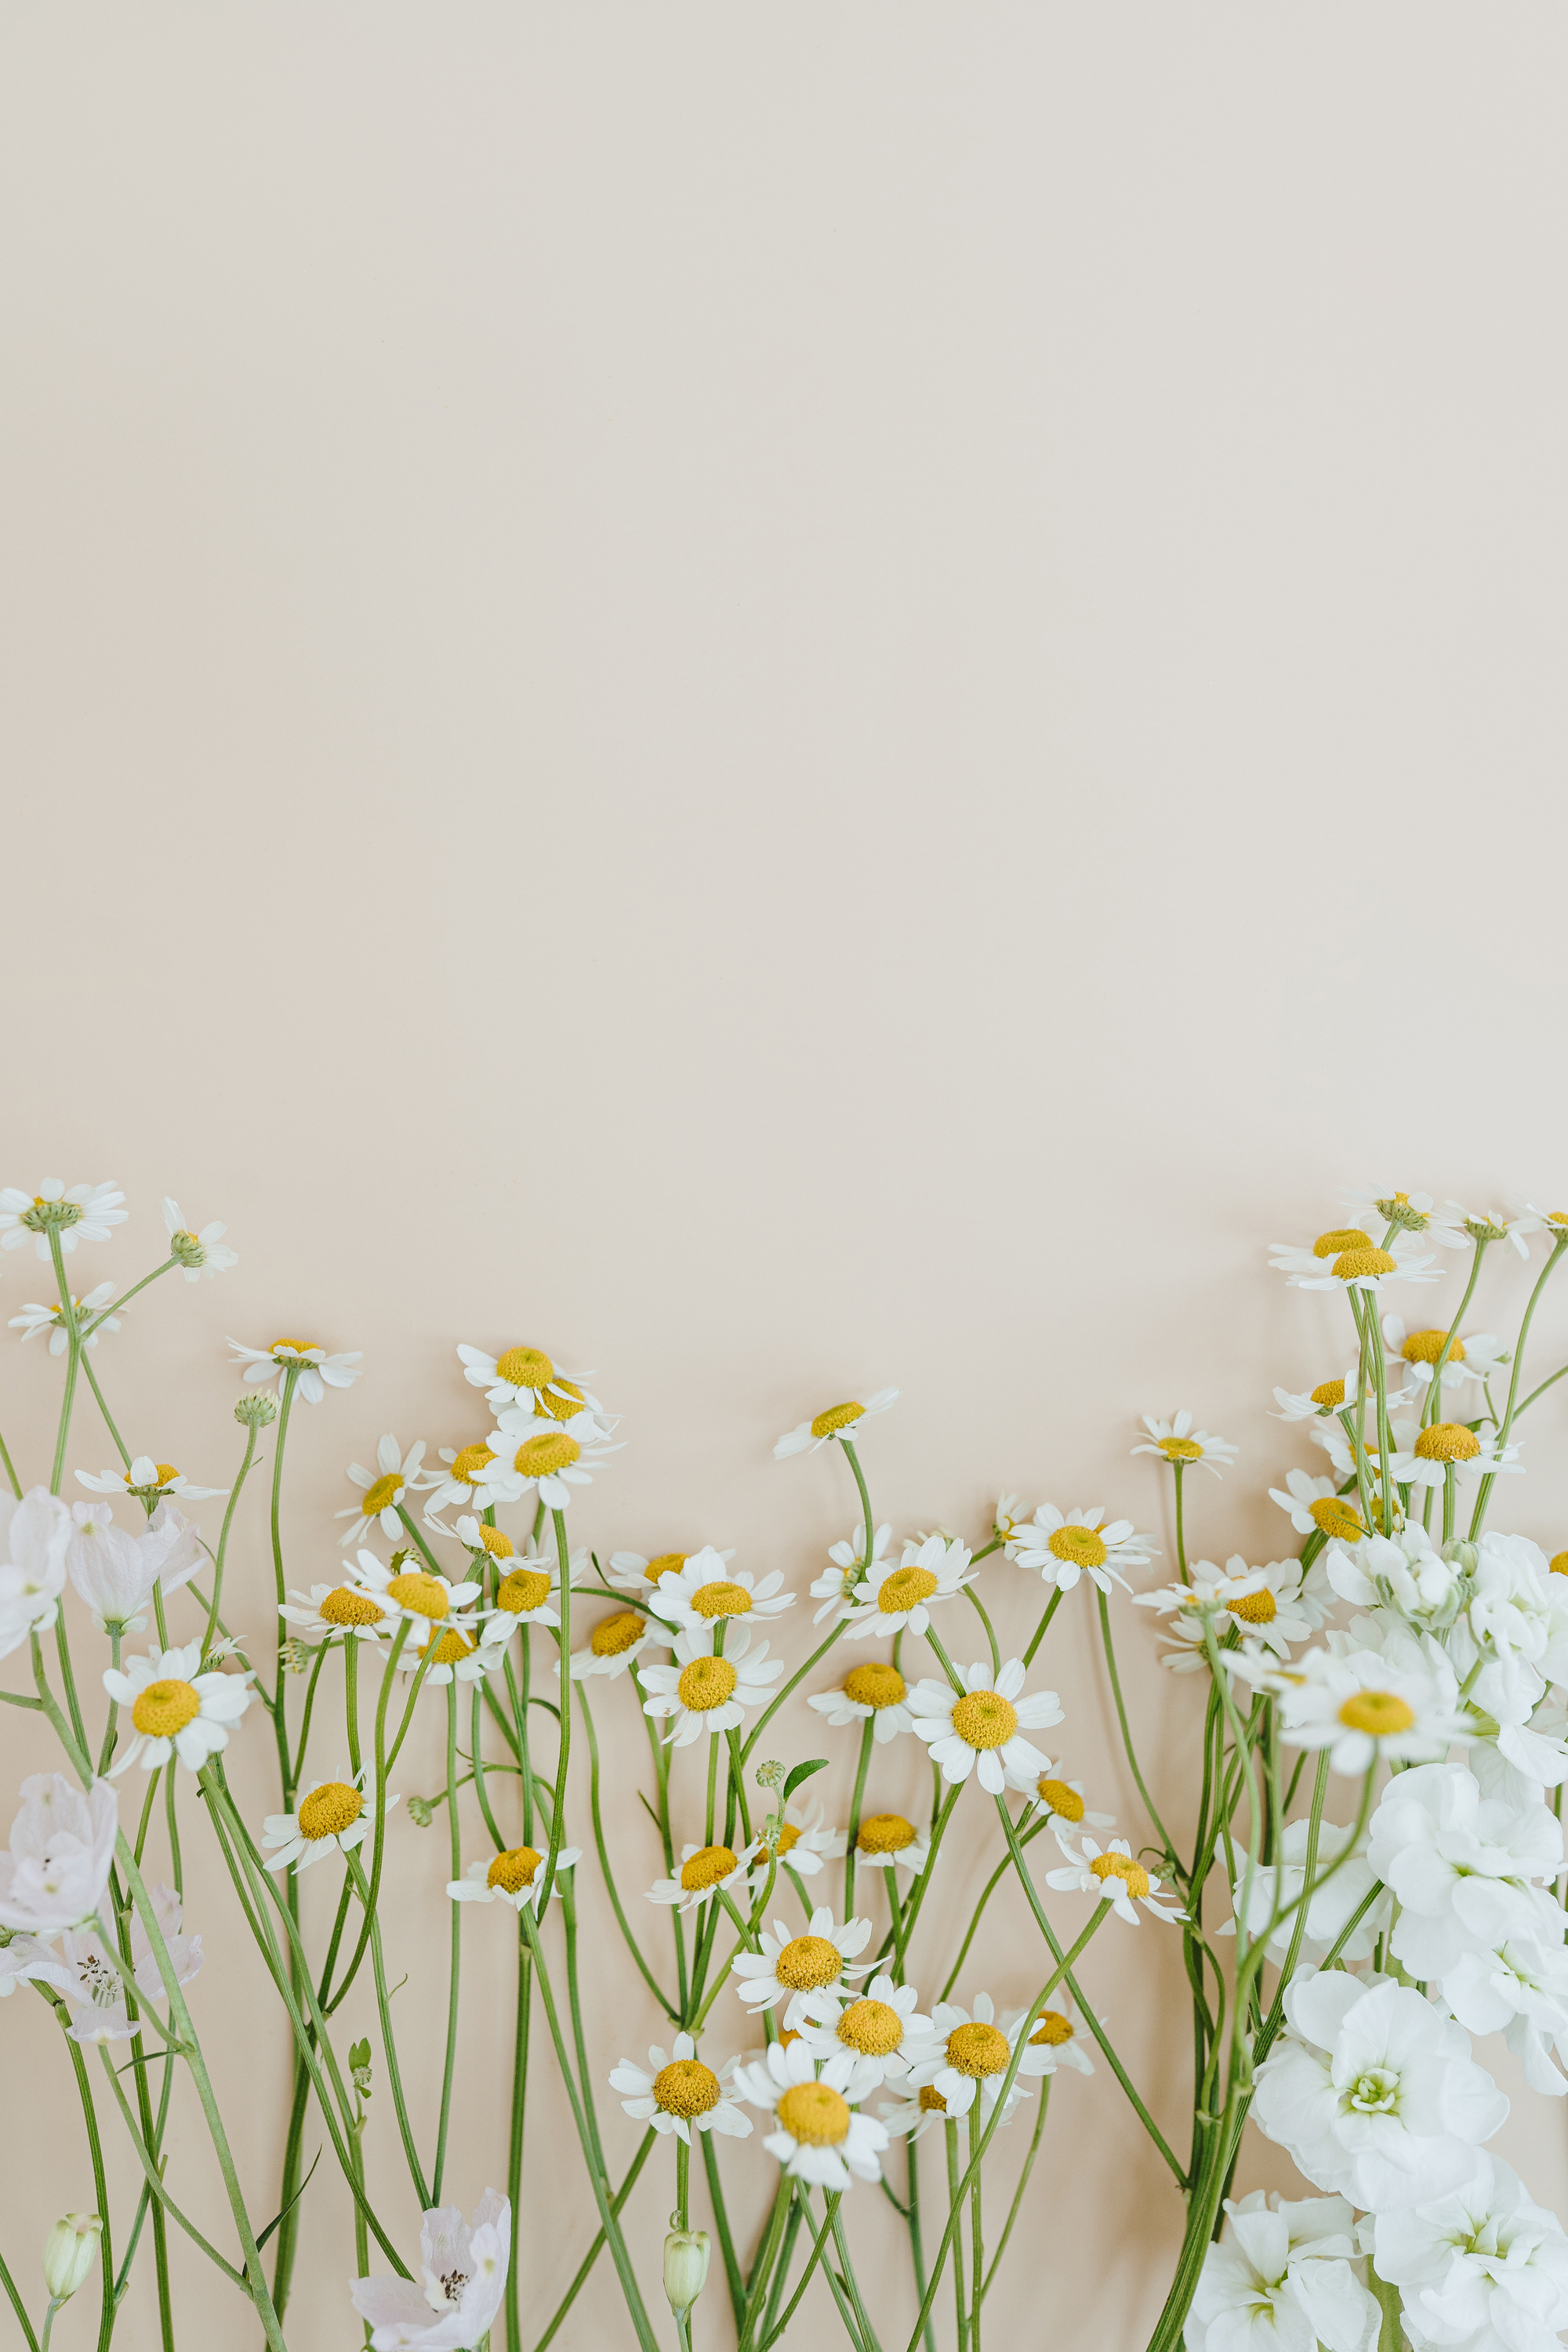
x=199, y=1254
x=549, y=1458
x=1177, y=1442
x=1473, y=1358
x=331, y=1613
x=818, y=2137
x=1329, y=1396
x=874, y=1692
x=705, y=1693
x=526, y=1377
x=1425, y=1464
x=980, y=1729
x=477, y=1478
x=630, y=1572
x=791, y=1967
x=330, y=1817
x=1412, y=1213
x=1315, y=1506
x=35, y=1318
x=396, y=1476
x=1010, y=1514
x=416, y=1593
x=840, y=1421
x=935, y=1569
x=528, y=1588
x=147, y=1480
x=1347, y=1258
x=1061, y=1800
x=1362, y=1708
x=1110, y=1875
x=316, y=1371
x=617, y=1642
x=887, y=1841
x=875, y=2040
x=464, y=1649
x=970, y=2057
x=88, y=1212
x=702, y=1589
x=805, y=1842
x=175, y=1710
x=1553, y=1222
x=515, y=1876
x=907, y=2118
x=1329, y=1435
x=1482, y=1225
x=834, y=1588
x=1054, y=2042
x=1060, y=1547
x=1260, y=1602
x=704, y=1869
x=681, y=2090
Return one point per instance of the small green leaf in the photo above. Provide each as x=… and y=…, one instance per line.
x=802, y=1772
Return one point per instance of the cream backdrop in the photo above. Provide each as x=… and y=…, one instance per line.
x=786, y=699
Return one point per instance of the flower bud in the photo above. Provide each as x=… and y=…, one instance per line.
x=685, y=2253
x=769, y=1775
x=255, y=1412
x=187, y=1249
x=420, y=1812
x=70, y=2251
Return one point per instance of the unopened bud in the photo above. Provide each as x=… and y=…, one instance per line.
x=1461, y=1555
x=255, y=1412
x=298, y=1659
x=685, y=2253
x=770, y=1774
x=69, y=2251
x=421, y=1812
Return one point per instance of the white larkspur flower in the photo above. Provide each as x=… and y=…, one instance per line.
x=87, y=1213
x=788, y=1968
x=834, y=1588
x=199, y=1254
x=1472, y=1454
x=680, y=2092
x=1060, y=1547
x=548, y=1458
x=396, y=1476
x=1111, y=1876
x=704, y=1589
x=872, y=1694
x=116, y=1573
x=840, y=1420
x=630, y=1572
x=970, y=2056
x=1481, y=2268
x=329, y=1817
x=703, y=1870
x=315, y=1370
x=876, y=2039
x=34, y=1536
x=331, y=1612
x=1362, y=1708
x=703, y=1692
x=1054, y=2042
x=35, y=1318
x=149, y=1480
x=527, y=1377
x=1462, y=1866
x=55, y=1871
x=1316, y=1506
x=416, y=1593
x=515, y=1876
x=1284, y=2278
x=1334, y=1903
x=1177, y=1442
x=935, y=1569
x=818, y=2137
x=96, y=1993
x=176, y=1709
x=463, y=2266
x=806, y=1844
x=1347, y=1258
x=980, y=1729
x=889, y=1841
x=1474, y=1356
x=617, y=1642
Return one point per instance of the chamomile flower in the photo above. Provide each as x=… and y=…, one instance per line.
x=703, y=1590
x=515, y=1876
x=1261, y=1602
x=1347, y=1258
x=706, y=1693
x=477, y=1478
x=526, y=1377
x=875, y=2040
x=1411, y=1213
x=874, y=1694
x=529, y=1586
x=1061, y=1546
x=970, y=2057
x=1329, y=1435
x=1485, y=1225
x=681, y=2090
x=330, y=1817
x=313, y=1369
x=617, y=1642
x=151, y=1482
x=818, y=2137
x=840, y=1420
x=1329, y=1396
x=35, y=1318
x=805, y=1842
x=980, y=1729
x=1315, y=1506
x=1425, y=1463
x=1364, y=1709
x=630, y=1572
x=835, y=1586
x=1010, y=1513
x=935, y=1569
x=907, y=2118
x=1054, y=2042
x=396, y=1476
x=416, y=1593
x=1063, y=1800
x=1553, y=1222
x=889, y=1841
x=1110, y=1875
x=331, y=1613
x=198, y=1254
x=87, y=1213
x=704, y=1869
x=1177, y=1442
x=462, y=1650
x=175, y=1710
x=1473, y=1358
x=552, y=1458
x=787, y=1967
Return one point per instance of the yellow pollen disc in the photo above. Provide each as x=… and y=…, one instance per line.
x=469, y=1461
x=788, y=2033
x=807, y=1961
x=905, y=1589
x=977, y=2050
x=687, y=2087
x=984, y=1719
x=1061, y=1800
x=1121, y=1865
x=166, y=1473
x=712, y=1601
x=885, y=1833
x=668, y=1563
x=1378, y=1712
x=789, y=1836
x=837, y=1417
x=382, y=1492
x=613, y=1636
x=536, y=1457
x=1559, y=1563
x=1353, y=1263
x=1181, y=1449
x=1336, y=1517
x=1330, y=1393
x=872, y=2027
x=328, y=1809
x=1342, y=1237
x=426, y=1596
x=1448, y=1441
x=163, y=1709
x=706, y=1683
x=498, y=1545
x=1079, y=1545
x=874, y=1686
x=1425, y=1347
x=1053, y=2029
x=525, y=1368
x=706, y=1867
x=1255, y=1608
x=345, y=1607
x=301, y=1346
x=451, y=1646
x=513, y=1870
x=810, y=2111
x=561, y=1408
x=523, y=1589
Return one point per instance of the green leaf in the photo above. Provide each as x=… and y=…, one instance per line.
x=288, y=2208
x=800, y=1772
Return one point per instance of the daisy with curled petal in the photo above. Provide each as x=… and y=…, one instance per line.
x=515, y=1876
x=834, y=1588
x=1113, y=1876
x=980, y=1729
x=152, y=1483
x=704, y=1869
x=1062, y=1545
x=840, y=1421
x=617, y=1642
x=889, y=1841
x=477, y=1478
x=315, y=1371
x=1259, y=1601
x=788, y=1968
x=706, y=1693
x=396, y=1476
x=549, y=1458
x=35, y=1318
x=198, y=1254
x=175, y=1710
x=1177, y=1442
x=805, y=1842
x=970, y=2057
x=871, y=1694
x=632, y=1573
x=526, y=1378
x=1009, y=1514
x=1476, y=1358
x=1425, y=1463
x=818, y=2137
x=1061, y=1800
x=681, y=2090
x=330, y=1817
x=87, y=1213
x=1484, y=1226
x=1364, y=1709
x=1316, y=1506
x=331, y=1613
x=1329, y=1396
x=1054, y=2042
x=416, y=1593
x=702, y=1591
x=876, y=2039
x=936, y=1568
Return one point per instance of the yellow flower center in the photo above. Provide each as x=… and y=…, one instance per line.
x=498, y=1545
x=874, y=1686
x=451, y=1646
x=931, y=2102
x=905, y=1589
x=1425, y=1347
x=299, y=1346
x=1053, y=2029
x=984, y=1719
x=537, y=1457
x=1448, y=1441
x=706, y=1683
x=1062, y=1801
x=977, y=2050
x=331, y=1807
x=561, y=1408
x=837, y=1417
x=469, y=1461
x=712, y=1601
x=706, y=1867
x=1330, y=1393
x=424, y=1596
x=885, y=1833
x=1253, y=1608
x=1352, y=1264
x=1336, y=1517
x=807, y=1961
x=1122, y=1866
x=668, y=1563
x=686, y=2088
x=1559, y=1563
x=1378, y=1712
x=1082, y=1546
x=164, y=1474
x=345, y=1607
x=872, y=2027
x=163, y=1709
x=1181, y=1449
x=382, y=1492
x=525, y=1368
x=523, y=1589
x=613, y=1636
x=514, y=1869
x=789, y=1836
x=1342, y=1237
x=810, y=2111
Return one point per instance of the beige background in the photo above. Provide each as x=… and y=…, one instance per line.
x=785, y=698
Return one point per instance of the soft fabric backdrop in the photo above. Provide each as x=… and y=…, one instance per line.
x=786, y=699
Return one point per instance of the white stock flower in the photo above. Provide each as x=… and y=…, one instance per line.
x=34, y=1536
x=876, y=2039
x=788, y=1968
x=57, y=1867
x=1060, y=1547
x=706, y=1693
x=315, y=1370
x=396, y=1476
x=515, y=1876
x=116, y=1573
x=1333, y=1906
x=199, y=1254
x=874, y=1694
x=704, y=1589
x=1481, y=2268
x=1112, y=1876
x=1461, y=1867
x=329, y=1817
x=840, y=1420
x=980, y=1729
x=35, y=1318
x=463, y=2266
x=175, y=1709
x=702, y=1871
x=818, y=2137
x=96, y=1990
x=681, y=2090
x=1284, y=2278
x=87, y=1213
x=969, y=2057
x=933, y=1568
x=1519, y=1990
x=147, y=1479
x=1404, y=1572
x=1177, y=1442
x=1363, y=1707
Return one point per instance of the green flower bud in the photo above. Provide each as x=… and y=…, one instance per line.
x=186, y=1249
x=70, y=2251
x=255, y=1412
x=685, y=2253
x=421, y=1812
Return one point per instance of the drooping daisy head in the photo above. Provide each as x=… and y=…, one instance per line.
x=1346, y=1257
x=1111, y=1874
x=806, y=1844
x=934, y=1569
x=51, y=1318
x=889, y=1841
x=1053, y=2040
x=309, y=1367
x=384, y=1490
x=817, y=2136
x=329, y=1817
x=677, y=2091
x=849, y=1569
x=704, y=1692
x=1063, y=1801
x=477, y=1476
x=196, y=1254
x=630, y=1572
x=1315, y=1506
x=873, y=1692
x=1263, y=1604
x=1179, y=1443
x=86, y=1212
x=1061, y=1546
x=837, y=1420
x=981, y=1728
x=786, y=1968
x=174, y=1708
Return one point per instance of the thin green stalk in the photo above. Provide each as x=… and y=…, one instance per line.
x=120, y=1446
x=563, y=1754
x=16, y=1490
x=155, y=2182
x=976, y=2231
x=221, y=1555
x=1038, y=1635
x=1149, y=1805
x=515, y=2140
x=378, y=1837
x=1560, y=1242
x=73, y=1359
x=978, y=1606
x=670, y=2011
x=955, y=2232
x=451, y=2067
x=868, y=1733
x=644, y=2150
x=868, y=2333
x=732, y=2277
x=7, y=2280
x=1023, y=2184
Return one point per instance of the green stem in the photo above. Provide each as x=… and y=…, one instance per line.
x=563, y=1755
x=868, y=1733
x=514, y=2143
x=1560, y=1242
x=457, y=1949
x=222, y=1552
x=16, y=1490
x=1149, y=1805
x=1052, y=1605
x=1018, y=2192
